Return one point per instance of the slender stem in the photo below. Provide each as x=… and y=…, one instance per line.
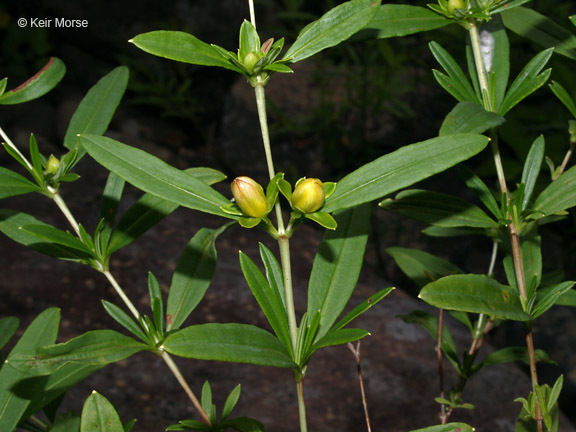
x=356, y=352
x=13, y=147
x=176, y=372
x=566, y=159
x=122, y=295
x=252, y=14
x=65, y=210
x=480, y=67
x=443, y=417
x=283, y=241
x=40, y=423
x=301, y=406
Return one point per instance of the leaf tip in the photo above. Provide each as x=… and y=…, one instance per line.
x=130, y=40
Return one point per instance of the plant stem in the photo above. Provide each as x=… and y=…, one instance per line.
x=283, y=242
x=176, y=372
x=443, y=416
x=566, y=159
x=514, y=235
x=252, y=14
x=13, y=147
x=356, y=353
x=65, y=210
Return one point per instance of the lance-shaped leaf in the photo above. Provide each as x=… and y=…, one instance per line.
x=540, y=29
x=153, y=175
x=509, y=355
x=192, y=276
x=41, y=83
x=182, y=47
x=439, y=209
x=559, y=196
x=402, y=168
x=43, y=330
x=476, y=294
x=273, y=272
x=12, y=225
x=12, y=184
x=239, y=343
x=98, y=348
x=337, y=266
x=450, y=427
x=334, y=27
x=564, y=97
x=8, y=326
x=98, y=415
x=95, y=111
x=532, y=168
x=268, y=298
x=400, y=20
x=150, y=210
x=527, y=82
x=469, y=117
x=421, y=266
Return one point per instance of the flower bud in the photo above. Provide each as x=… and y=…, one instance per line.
x=456, y=4
x=250, y=197
x=250, y=61
x=52, y=165
x=308, y=196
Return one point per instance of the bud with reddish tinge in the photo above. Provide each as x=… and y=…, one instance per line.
x=250, y=197
x=308, y=196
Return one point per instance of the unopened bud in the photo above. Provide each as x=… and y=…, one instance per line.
x=52, y=165
x=250, y=61
x=250, y=197
x=456, y=4
x=308, y=196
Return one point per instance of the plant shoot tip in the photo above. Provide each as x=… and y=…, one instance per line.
x=130, y=40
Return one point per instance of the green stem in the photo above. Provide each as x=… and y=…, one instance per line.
x=10, y=144
x=252, y=14
x=283, y=240
x=64, y=209
x=480, y=67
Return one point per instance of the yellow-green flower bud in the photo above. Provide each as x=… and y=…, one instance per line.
x=308, y=196
x=456, y=4
x=250, y=61
x=52, y=165
x=250, y=197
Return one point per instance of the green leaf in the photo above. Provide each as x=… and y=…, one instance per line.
x=430, y=323
x=124, y=319
x=540, y=29
x=41, y=83
x=334, y=27
x=154, y=176
x=400, y=20
x=361, y=308
x=439, y=209
x=240, y=343
x=560, y=195
x=548, y=297
x=273, y=272
x=340, y=337
x=509, y=355
x=98, y=415
x=67, y=422
x=231, y=401
x=192, y=276
x=182, y=47
x=402, y=168
x=421, y=266
x=268, y=298
x=8, y=327
x=13, y=184
x=244, y=424
x=337, y=266
x=43, y=330
x=3, y=84
x=532, y=168
x=476, y=294
x=507, y=5
x=450, y=427
x=50, y=234
x=189, y=425
x=469, y=117
x=455, y=82
x=527, y=82
x=476, y=185
x=111, y=198
x=97, y=108
x=156, y=302
x=206, y=400
x=323, y=219
x=249, y=40
x=564, y=97
x=98, y=348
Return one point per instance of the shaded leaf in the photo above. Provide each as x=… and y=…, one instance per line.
x=476, y=294
x=13, y=184
x=450, y=427
x=564, y=97
x=41, y=83
x=532, y=168
x=8, y=326
x=98, y=415
x=469, y=117
x=560, y=195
